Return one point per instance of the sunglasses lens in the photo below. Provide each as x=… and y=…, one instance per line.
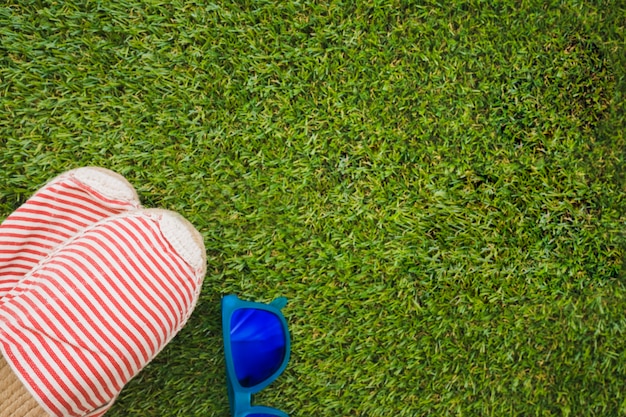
x=258, y=343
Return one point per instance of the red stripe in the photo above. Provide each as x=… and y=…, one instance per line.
x=178, y=264
x=72, y=207
x=44, y=297
x=124, y=292
x=103, y=304
x=46, y=221
x=8, y=282
x=101, y=236
x=25, y=373
x=76, y=216
x=180, y=279
x=65, y=363
x=99, y=195
x=30, y=236
x=5, y=287
x=23, y=304
x=20, y=251
x=93, y=310
x=15, y=261
x=136, y=256
x=137, y=228
x=87, y=379
x=46, y=214
x=30, y=243
x=93, y=203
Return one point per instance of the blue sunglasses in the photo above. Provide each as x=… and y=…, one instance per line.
x=257, y=348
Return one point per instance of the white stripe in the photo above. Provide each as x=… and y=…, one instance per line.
x=28, y=247
x=10, y=312
x=76, y=304
x=17, y=270
x=124, y=289
x=59, y=327
x=115, y=315
x=64, y=204
x=46, y=324
x=112, y=386
x=48, y=362
x=23, y=218
x=20, y=267
x=123, y=254
x=184, y=277
x=32, y=369
x=172, y=283
x=28, y=235
x=78, y=216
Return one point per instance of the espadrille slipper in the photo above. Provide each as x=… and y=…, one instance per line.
x=56, y=212
x=91, y=315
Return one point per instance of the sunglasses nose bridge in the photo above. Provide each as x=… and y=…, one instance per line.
x=240, y=400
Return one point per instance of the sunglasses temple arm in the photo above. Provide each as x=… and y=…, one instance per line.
x=279, y=303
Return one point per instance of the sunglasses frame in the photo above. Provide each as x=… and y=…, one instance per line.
x=240, y=398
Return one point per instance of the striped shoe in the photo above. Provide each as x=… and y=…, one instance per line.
x=89, y=317
x=59, y=210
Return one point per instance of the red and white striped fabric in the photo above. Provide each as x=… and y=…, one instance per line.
x=59, y=210
x=87, y=319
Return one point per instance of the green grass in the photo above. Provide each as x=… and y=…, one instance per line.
x=438, y=187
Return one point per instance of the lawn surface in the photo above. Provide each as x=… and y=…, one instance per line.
x=438, y=187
